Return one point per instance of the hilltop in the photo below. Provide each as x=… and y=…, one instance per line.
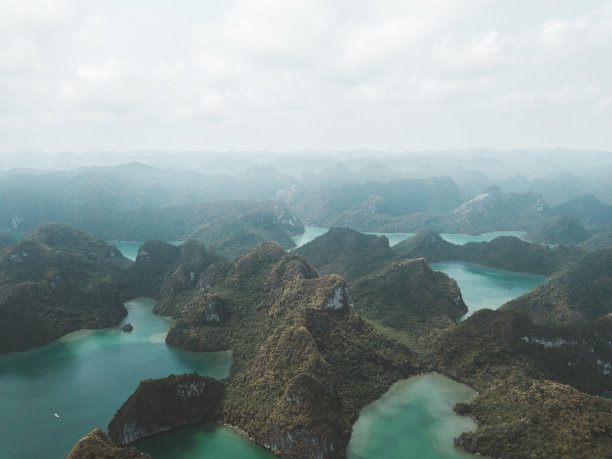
x=348, y=253
x=234, y=236
x=58, y=280
x=531, y=382
x=581, y=291
x=505, y=252
x=303, y=373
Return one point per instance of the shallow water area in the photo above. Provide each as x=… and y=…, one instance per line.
x=84, y=378
x=414, y=419
x=208, y=440
x=483, y=287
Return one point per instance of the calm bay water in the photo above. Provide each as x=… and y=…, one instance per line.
x=484, y=287
x=208, y=440
x=414, y=419
x=85, y=377
x=310, y=233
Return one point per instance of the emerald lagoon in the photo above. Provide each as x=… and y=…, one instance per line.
x=85, y=377
x=483, y=287
x=413, y=419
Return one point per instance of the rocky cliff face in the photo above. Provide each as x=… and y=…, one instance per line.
x=529, y=380
x=97, y=445
x=165, y=404
x=301, y=375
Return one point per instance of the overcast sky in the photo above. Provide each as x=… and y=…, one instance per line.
x=284, y=75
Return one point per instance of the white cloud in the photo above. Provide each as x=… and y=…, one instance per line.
x=259, y=74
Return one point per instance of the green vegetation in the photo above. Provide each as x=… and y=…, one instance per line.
x=161, y=404
x=234, y=236
x=505, y=252
x=562, y=229
x=55, y=281
x=307, y=367
x=410, y=297
x=348, y=253
x=581, y=291
x=97, y=445
x=601, y=239
x=589, y=210
x=373, y=206
x=524, y=374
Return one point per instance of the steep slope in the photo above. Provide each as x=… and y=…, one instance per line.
x=163, y=271
x=582, y=291
x=600, y=239
x=97, y=445
x=348, y=253
x=562, y=229
x=494, y=210
x=411, y=297
x=529, y=380
x=55, y=281
x=505, y=252
x=305, y=361
x=589, y=210
x=350, y=205
x=234, y=236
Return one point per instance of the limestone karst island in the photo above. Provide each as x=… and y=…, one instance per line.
x=305, y=229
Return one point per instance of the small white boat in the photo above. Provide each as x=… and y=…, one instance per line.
x=56, y=415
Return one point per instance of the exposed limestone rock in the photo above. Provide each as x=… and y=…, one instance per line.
x=164, y=404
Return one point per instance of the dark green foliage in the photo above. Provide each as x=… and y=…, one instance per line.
x=524, y=373
x=97, y=445
x=562, y=229
x=407, y=294
x=161, y=404
x=310, y=363
x=589, y=210
x=505, y=252
x=600, y=239
x=58, y=280
x=234, y=236
x=581, y=291
x=347, y=253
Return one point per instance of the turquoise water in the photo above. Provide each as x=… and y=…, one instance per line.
x=414, y=419
x=310, y=233
x=208, y=440
x=129, y=249
x=85, y=377
x=484, y=287
x=461, y=239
